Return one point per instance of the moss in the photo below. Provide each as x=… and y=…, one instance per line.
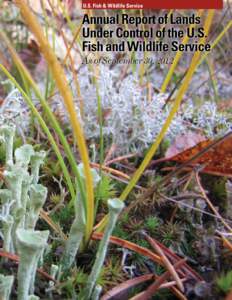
x=224, y=282
x=152, y=223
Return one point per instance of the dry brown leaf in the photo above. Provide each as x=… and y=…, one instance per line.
x=183, y=142
x=217, y=161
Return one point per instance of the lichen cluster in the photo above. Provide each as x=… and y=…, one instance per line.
x=22, y=198
x=128, y=115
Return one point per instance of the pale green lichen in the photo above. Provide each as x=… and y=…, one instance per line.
x=7, y=225
x=18, y=217
x=6, y=283
x=14, y=179
x=30, y=243
x=96, y=293
x=5, y=196
x=78, y=226
x=115, y=207
x=8, y=133
x=53, y=273
x=95, y=176
x=36, y=161
x=33, y=297
x=24, y=195
x=20, y=207
x=23, y=155
x=7, y=219
x=38, y=195
x=75, y=236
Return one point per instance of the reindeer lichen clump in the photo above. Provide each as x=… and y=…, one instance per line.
x=125, y=105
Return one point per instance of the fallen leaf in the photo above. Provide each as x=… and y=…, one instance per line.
x=183, y=142
x=217, y=160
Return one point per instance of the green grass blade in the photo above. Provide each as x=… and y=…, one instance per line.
x=64, y=89
x=176, y=105
x=45, y=129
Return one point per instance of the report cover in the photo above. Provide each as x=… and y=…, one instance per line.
x=115, y=149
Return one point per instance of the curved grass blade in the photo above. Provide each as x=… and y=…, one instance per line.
x=51, y=117
x=176, y=105
x=62, y=84
x=45, y=129
x=177, y=57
